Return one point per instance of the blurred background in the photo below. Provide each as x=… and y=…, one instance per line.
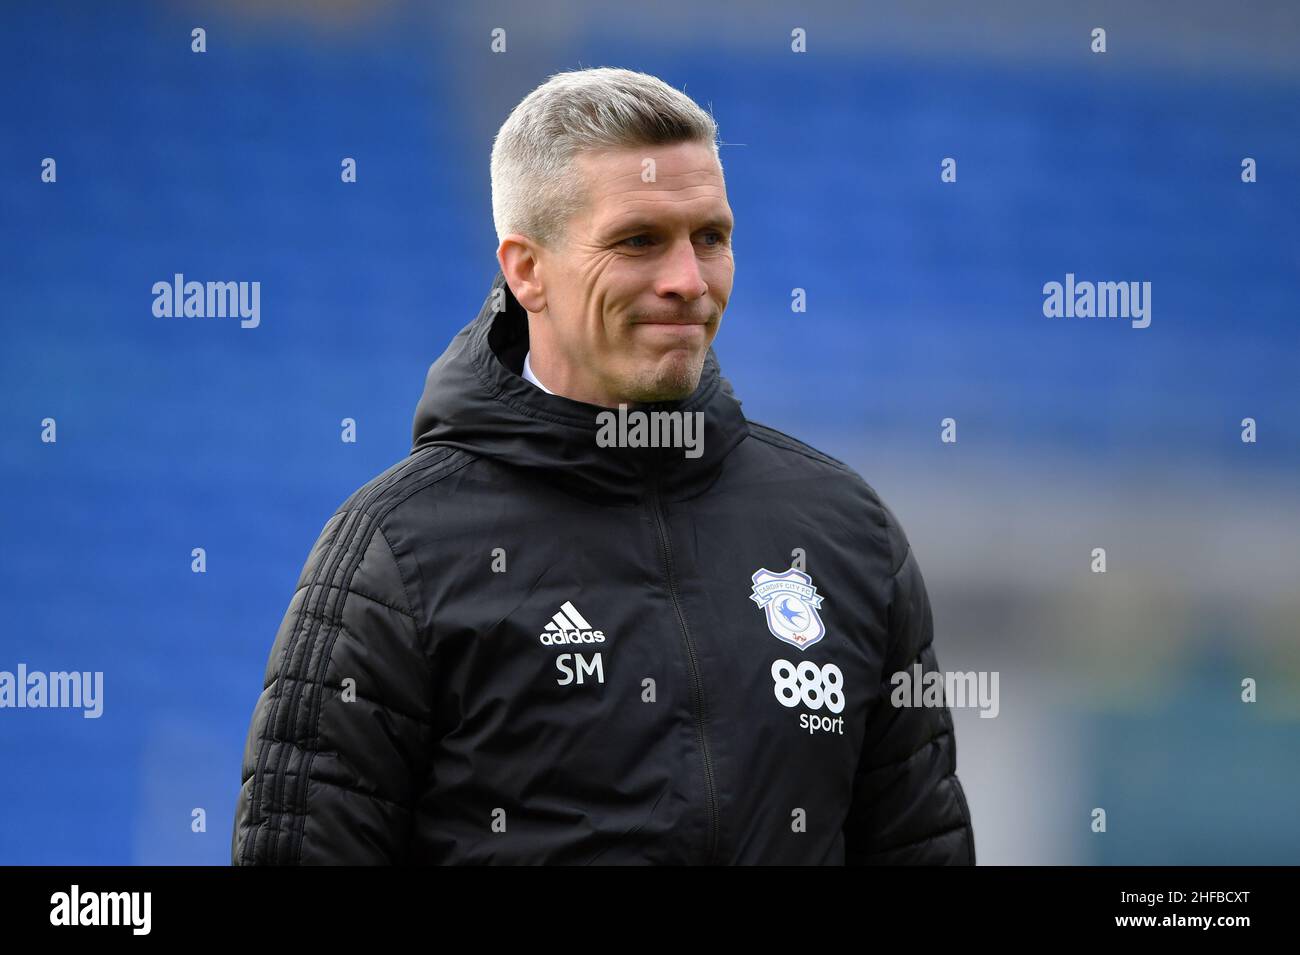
x=1119, y=690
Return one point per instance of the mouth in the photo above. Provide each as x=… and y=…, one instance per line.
x=674, y=322
x=678, y=328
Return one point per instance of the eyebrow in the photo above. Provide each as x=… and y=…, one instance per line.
x=633, y=226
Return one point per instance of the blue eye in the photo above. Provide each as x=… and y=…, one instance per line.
x=720, y=238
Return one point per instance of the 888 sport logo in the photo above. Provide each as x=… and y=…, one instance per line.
x=817, y=688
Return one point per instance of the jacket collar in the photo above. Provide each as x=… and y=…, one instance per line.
x=475, y=399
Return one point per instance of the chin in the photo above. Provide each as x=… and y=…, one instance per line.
x=673, y=383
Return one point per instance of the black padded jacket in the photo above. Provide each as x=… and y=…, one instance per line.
x=524, y=643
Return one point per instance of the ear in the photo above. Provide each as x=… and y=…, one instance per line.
x=518, y=256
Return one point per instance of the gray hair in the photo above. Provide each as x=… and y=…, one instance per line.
x=536, y=186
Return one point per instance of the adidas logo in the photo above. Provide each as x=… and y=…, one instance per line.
x=569, y=626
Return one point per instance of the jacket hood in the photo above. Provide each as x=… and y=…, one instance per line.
x=476, y=399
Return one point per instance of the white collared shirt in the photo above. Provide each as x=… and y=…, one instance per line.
x=528, y=375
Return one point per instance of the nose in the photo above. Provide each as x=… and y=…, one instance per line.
x=680, y=274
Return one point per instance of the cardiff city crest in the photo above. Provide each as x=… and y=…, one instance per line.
x=791, y=603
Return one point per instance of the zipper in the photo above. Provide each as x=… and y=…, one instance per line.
x=696, y=685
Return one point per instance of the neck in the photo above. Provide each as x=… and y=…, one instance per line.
x=562, y=378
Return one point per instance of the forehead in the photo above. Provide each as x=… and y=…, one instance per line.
x=687, y=183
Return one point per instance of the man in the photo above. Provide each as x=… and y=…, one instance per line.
x=596, y=615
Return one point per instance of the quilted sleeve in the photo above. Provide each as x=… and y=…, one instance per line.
x=908, y=805
x=341, y=733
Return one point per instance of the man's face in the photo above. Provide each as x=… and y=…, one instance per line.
x=634, y=294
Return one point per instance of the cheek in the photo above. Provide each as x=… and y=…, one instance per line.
x=609, y=310
x=619, y=335
x=720, y=273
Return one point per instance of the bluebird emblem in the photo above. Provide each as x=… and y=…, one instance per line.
x=790, y=601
